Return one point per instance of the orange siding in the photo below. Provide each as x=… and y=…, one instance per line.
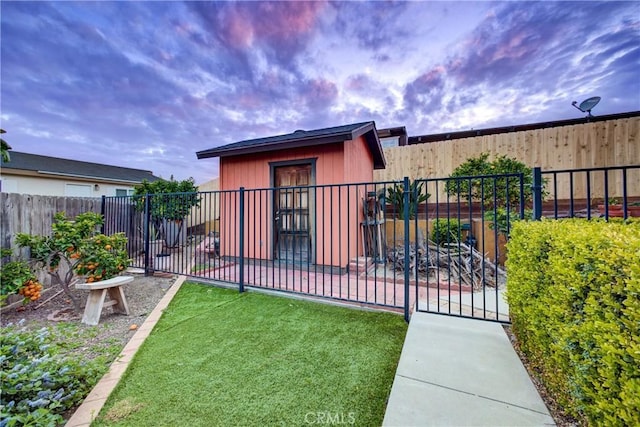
x=336, y=232
x=358, y=167
x=358, y=161
x=253, y=171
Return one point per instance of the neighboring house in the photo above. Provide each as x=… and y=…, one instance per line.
x=393, y=137
x=294, y=219
x=51, y=176
x=207, y=215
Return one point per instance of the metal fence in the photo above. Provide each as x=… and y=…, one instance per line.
x=394, y=245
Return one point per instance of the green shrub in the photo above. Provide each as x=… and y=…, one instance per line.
x=495, y=194
x=573, y=290
x=13, y=276
x=445, y=230
x=502, y=221
x=168, y=200
x=39, y=383
x=505, y=190
x=417, y=196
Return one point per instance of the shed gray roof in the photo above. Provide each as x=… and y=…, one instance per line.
x=73, y=168
x=302, y=138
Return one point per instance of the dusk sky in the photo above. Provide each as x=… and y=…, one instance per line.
x=147, y=84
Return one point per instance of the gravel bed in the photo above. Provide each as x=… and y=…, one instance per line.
x=142, y=295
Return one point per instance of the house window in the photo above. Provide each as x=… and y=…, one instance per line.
x=8, y=185
x=389, y=142
x=78, y=190
x=121, y=192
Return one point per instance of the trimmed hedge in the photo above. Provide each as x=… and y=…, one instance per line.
x=573, y=290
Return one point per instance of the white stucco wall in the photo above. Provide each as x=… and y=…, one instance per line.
x=58, y=187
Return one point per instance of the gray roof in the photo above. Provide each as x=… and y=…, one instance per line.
x=46, y=165
x=302, y=138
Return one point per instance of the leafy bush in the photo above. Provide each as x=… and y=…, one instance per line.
x=572, y=290
x=417, y=195
x=503, y=190
x=169, y=200
x=496, y=194
x=14, y=275
x=502, y=220
x=38, y=383
x=445, y=231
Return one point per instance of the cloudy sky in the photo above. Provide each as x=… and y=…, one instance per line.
x=147, y=84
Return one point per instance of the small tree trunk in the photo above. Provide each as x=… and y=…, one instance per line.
x=66, y=281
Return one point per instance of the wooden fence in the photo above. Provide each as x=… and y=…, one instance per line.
x=24, y=213
x=587, y=145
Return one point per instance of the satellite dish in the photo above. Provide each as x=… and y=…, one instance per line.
x=586, y=105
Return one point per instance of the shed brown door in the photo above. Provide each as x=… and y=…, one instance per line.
x=292, y=223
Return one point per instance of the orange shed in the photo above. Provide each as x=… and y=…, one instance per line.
x=296, y=206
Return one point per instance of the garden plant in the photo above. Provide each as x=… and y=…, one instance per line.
x=572, y=290
x=168, y=200
x=445, y=231
x=43, y=376
x=77, y=248
x=16, y=277
x=475, y=180
x=417, y=195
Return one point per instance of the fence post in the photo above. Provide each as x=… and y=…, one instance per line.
x=102, y=211
x=405, y=216
x=147, y=238
x=241, y=245
x=537, y=193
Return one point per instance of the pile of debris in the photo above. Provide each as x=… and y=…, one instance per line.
x=459, y=262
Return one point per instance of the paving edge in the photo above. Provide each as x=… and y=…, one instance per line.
x=93, y=403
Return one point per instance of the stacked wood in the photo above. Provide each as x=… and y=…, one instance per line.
x=461, y=263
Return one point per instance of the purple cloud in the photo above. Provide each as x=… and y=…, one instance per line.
x=151, y=83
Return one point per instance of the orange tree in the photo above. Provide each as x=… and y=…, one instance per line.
x=16, y=277
x=77, y=248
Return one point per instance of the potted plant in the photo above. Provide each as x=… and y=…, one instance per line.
x=169, y=203
x=417, y=195
x=634, y=209
x=613, y=208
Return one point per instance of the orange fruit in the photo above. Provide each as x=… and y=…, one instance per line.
x=108, y=247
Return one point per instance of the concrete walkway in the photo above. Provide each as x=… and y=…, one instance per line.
x=461, y=372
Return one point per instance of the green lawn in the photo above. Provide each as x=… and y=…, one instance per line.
x=218, y=357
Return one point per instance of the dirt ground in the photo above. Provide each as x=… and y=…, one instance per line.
x=142, y=295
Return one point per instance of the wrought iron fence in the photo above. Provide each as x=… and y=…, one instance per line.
x=398, y=245
x=591, y=192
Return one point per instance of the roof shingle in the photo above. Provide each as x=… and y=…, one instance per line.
x=302, y=138
x=57, y=166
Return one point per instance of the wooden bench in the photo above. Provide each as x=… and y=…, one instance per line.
x=97, y=293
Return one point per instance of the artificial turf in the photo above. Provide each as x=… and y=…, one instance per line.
x=217, y=357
